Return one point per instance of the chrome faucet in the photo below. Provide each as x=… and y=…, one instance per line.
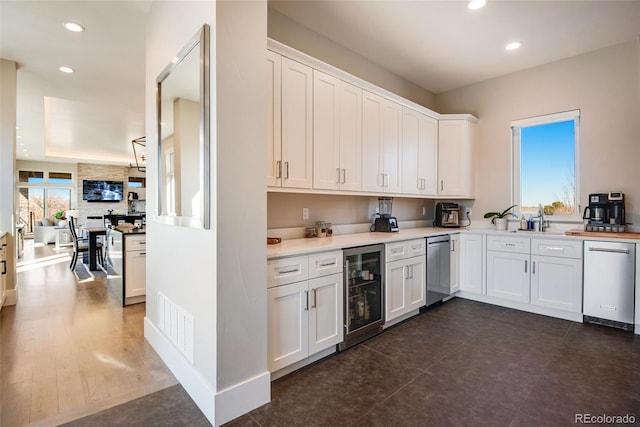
x=541, y=218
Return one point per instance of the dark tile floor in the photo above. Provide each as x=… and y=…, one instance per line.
x=465, y=363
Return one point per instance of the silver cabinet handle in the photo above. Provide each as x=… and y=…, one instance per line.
x=385, y=180
x=406, y=272
x=295, y=270
x=615, y=251
x=286, y=170
x=278, y=169
x=313, y=291
x=327, y=264
x=344, y=176
x=143, y=253
x=441, y=185
x=4, y=267
x=337, y=175
x=306, y=300
x=525, y=266
x=533, y=267
x=453, y=246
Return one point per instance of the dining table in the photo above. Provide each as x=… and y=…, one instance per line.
x=93, y=234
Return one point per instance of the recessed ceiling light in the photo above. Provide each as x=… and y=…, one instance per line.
x=477, y=4
x=67, y=70
x=513, y=46
x=72, y=26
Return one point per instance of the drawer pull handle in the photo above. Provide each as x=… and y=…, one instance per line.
x=554, y=248
x=295, y=270
x=327, y=264
x=143, y=253
x=313, y=305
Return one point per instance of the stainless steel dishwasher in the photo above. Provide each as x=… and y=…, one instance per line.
x=609, y=269
x=438, y=269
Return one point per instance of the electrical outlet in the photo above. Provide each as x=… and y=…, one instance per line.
x=467, y=211
x=424, y=211
x=305, y=213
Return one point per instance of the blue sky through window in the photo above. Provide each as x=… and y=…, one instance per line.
x=547, y=164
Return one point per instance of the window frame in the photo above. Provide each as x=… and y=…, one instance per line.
x=546, y=119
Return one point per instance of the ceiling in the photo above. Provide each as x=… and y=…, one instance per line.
x=93, y=114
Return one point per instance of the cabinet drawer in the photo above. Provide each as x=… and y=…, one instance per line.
x=557, y=248
x=405, y=249
x=324, y=264
x=509, y=244
x=287, y=270
x=135, y=243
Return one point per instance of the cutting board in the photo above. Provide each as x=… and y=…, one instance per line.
x=603, y=234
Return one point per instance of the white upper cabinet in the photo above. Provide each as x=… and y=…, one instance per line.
x=337, y=134
x=274, y=141
x=455, y=158
x=419, y=153
x=291, y=119
x=381, y=144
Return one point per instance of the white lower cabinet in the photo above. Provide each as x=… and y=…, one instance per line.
x=556, y=278
x=405, y=279
x=540, y=271
x=471, y=269
x=305, y=317
x=508, y=275
x=454, y=246
x=135, y=273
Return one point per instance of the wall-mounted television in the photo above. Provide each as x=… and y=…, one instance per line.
x=102, y=191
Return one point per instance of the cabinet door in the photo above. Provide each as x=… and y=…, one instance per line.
x=135, y=278
x=392, y=147
x=274, y=139
x=556, y=283
x=350, y=137
x=419, y=150
x=417, y=283
x=454, y=245
x=396, y=275
x=470, y=269
x=454, y=158
x=287, y=324
x=296, y=118
x=326, y=308
x=508, y=275
x=372, y=106
x=327, y=173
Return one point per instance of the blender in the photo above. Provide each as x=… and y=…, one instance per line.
x=384, y=221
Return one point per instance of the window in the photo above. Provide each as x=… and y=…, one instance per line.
x=60, y=178
x=31, y=176
x=42, y=195
x=545, y=172
x=136, y=182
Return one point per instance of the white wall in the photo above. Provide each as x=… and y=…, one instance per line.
x=8, y=96
x=217, y=275
x=181, y=262
x=299, y=37
x=603, y=85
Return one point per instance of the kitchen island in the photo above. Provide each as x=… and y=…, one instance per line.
x=126, y=257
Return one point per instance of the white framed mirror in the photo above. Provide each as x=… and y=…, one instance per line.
x=183, y=136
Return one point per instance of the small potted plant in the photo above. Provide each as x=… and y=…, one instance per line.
x=500, y=218
x=62, y=219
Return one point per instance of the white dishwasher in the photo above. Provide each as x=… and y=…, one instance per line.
x=609, y=269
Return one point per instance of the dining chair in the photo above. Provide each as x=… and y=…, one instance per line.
x=81, y=246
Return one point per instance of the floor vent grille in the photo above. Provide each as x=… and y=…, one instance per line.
x=177, y=325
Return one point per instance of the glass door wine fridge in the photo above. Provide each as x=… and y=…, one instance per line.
x=363, y=292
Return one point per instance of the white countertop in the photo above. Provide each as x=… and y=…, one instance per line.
x=304, y=246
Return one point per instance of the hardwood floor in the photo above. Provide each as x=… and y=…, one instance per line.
x=69, y=349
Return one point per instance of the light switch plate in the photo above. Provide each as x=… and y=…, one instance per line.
x=305, y=213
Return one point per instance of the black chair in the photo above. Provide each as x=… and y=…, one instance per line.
x=81, y=246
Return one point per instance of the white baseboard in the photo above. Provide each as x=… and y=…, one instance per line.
x=560, y=314
x=10, y=297
x=220, y=407
x=196, y=386
x=242, y=398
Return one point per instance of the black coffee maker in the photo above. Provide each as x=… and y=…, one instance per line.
x=605, y=212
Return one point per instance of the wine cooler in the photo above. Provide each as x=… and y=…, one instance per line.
x=363, y=293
